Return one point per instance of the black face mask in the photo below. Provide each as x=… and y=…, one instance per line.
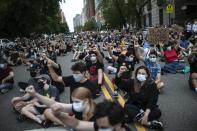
x=32, y=73
x=41, y=84
x=116, y=53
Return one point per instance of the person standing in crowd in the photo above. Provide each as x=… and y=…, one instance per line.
x=141, y=105
x=78, y=79
x=6, y=77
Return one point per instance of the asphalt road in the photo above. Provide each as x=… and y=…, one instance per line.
x=177, y=102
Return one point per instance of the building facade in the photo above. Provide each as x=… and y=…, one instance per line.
x=77, y=20
x=89, y=7
x=98, y=12
x=155, y=12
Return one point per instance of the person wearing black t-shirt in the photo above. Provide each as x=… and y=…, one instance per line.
x=193, y=68
x=95, y=69
x=143, y=96
x=78, y=79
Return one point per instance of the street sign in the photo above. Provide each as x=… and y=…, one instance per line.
x=169, y=8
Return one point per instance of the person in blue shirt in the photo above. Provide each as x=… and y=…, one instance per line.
x=152, y=65
x=184, y=46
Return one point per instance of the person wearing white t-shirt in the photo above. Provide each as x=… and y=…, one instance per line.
x=194, y=27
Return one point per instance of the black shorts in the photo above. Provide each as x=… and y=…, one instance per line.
x=40, y=109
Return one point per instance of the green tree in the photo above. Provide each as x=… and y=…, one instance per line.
x=22, y=17
x=119, y=13
x=90, y=25
x=78, y=28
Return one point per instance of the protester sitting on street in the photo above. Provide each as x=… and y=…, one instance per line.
x=193, y=68
x=6, y=76
x=185, y=46
x=95, y=70
x=108, y=116
x=153, y=67
x=32, y=81
x=58, y=71
x=143, y=96
x=82, y=106
x=78, y=79
x=52, y=54
x=172, y=64
x=35, y=111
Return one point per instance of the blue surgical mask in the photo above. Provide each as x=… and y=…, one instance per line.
x=2, y=66
x=153, y=59
x=77, y=77
x=141, y=77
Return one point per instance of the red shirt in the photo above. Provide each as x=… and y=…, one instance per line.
x=4, y=73
x=170, y=55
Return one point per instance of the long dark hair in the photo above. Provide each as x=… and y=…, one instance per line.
x=148, y=79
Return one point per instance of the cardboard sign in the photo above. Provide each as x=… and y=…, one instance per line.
x=156, y=35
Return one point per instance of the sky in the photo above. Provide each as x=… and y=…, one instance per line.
x=70, y=9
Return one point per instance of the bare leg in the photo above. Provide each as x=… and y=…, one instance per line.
x=48, y=113
x=30, y=112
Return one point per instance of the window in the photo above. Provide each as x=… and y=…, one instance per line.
x=161, y=16
x=160, y=2
x=150, y=19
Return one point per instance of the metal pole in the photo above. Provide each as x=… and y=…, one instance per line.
x=169, y=20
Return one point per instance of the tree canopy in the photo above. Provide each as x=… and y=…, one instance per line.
x=22, y=17
x=119, y=13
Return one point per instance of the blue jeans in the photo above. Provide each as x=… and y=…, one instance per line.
x=6, y=86
x=173, y=67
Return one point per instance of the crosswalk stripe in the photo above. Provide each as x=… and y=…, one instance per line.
x=106, y=93
x=111, y=86
x=122, y=101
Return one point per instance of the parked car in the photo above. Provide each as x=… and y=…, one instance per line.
x=5, y=43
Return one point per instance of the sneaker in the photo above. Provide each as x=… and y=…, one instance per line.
x=156, y=125
x=115, y=93
x=20, y=118
x=4, y=91
x=46, y=124
x=21, y=90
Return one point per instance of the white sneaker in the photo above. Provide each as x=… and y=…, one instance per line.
x=195, y=89
x=21, y=90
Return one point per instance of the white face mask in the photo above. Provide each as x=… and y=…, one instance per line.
x=107, y=129
x=169, y=48
x=141, y=78
x=130, y=59
x=93, y=58
x=2, y=65
x=153, y=59
x=78, y=106
x=77, y=77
